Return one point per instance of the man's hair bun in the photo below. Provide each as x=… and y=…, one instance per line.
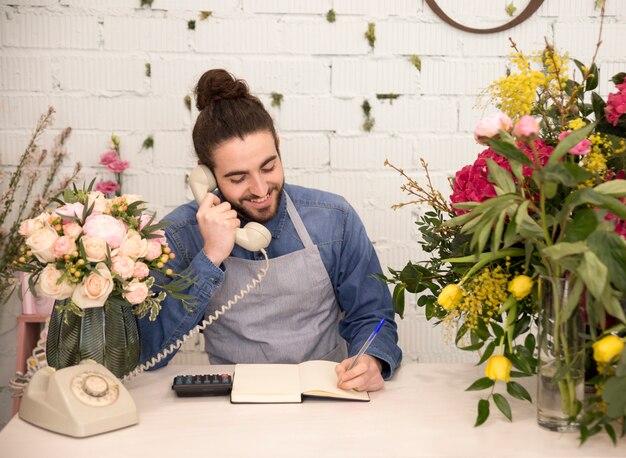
x=218, y=84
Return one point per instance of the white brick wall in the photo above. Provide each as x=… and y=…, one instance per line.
x=88, y=59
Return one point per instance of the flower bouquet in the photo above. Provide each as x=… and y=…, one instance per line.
x=102, y=261
x=528, y=255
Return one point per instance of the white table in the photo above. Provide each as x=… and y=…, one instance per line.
x=423, y=412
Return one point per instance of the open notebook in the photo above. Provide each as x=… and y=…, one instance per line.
x=277, y=383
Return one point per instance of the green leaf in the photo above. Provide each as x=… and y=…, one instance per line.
x=411, y=277
x=481, y=384
x=509, y=151
x=398, y=300
x=598, y=105
x=614, y=394
x=500, y=176
x=569, y=142
x=518, y=391
x=584, y=222
x=560, y=250
x=530, y=342
x=487, y=353
x=503, y=405
x=526, y=226
x=592, y=79
x=615, y=188
x=472, y=347
x=611, y=432
x=594, y=273
x=573, y=299
x=483, y=412
x=611, y=248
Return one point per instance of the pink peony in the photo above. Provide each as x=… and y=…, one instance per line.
x=490, y=126
x=616, y=104
x=581, y=148
x=118, y=166
x=107, y=187
x=526, y=127
x=106, y=228
x=108, y=156
x=74, y=210
x=471, y=183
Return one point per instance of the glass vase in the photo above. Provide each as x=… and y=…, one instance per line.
x=561, y=367
x=109, y=335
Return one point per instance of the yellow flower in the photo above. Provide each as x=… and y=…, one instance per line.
x=607, y=349
x=450, y=297
x=499, y=368
x=521, y=286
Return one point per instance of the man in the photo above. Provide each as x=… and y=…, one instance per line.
x=319, y=292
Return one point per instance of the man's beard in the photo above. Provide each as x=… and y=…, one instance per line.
x=260, y=216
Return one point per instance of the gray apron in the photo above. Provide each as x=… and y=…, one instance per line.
x=290, y=317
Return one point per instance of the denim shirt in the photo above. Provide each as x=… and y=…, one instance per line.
x=346, y=252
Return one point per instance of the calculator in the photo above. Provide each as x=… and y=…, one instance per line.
x=202, y=385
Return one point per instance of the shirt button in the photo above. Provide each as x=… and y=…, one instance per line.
x=215, y=281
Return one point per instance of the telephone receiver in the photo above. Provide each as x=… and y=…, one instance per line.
x=78, y=401
x=253, y=236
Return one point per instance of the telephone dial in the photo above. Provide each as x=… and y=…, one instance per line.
x=253, y=236
x=88, y=399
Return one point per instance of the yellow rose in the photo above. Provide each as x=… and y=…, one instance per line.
x=498, y=368
x=521, y=286
x=450, y=296
x=607, y=349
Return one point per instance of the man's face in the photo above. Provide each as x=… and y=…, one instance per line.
x=250, y=175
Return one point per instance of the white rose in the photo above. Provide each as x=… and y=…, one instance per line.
x=95, y=248
x=41, y=243
x=94, y=289
x=133, y=245
x=98, y=200
x=132, y=198
x=29, y=226
x=48, y=284
x=123, y=266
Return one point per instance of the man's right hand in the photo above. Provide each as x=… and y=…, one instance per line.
x=217, y=223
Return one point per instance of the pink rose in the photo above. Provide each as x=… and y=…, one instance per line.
x=73, y=210
x=581, y=148
x=118, y=166
x=64, y=245
x=526, y=127
x=123, y=266
x=105, y=227
x=107, y=187
x=141, y=270
x=72, y=229
x=490, y=126
x=136, y=292
x=108, y=156
x=154, y=250
x=144, y=219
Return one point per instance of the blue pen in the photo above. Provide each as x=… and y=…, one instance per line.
x=367, y=344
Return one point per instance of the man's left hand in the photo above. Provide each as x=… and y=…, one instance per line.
x=365, y=376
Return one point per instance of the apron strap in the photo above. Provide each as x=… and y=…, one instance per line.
x=297, y=223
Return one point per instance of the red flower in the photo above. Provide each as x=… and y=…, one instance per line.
x=471, y=183
x=616, y=104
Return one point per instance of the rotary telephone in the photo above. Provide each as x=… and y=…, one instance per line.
x=88, y=399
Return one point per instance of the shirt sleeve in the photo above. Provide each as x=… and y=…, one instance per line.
x=364, y=298
x=174, y=320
